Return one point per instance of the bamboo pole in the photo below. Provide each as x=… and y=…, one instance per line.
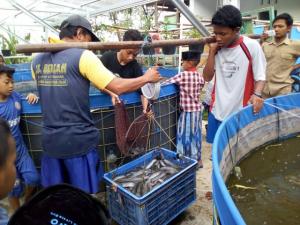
x=31, y=48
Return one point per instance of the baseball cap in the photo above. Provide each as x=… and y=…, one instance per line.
x=61, y=204
x=79, y=21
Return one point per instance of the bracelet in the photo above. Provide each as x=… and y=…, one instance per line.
x=258, y=95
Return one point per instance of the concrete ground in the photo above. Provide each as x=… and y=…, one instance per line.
x=201, y=212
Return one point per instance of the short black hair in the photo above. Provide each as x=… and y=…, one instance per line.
x=227, y=16
x=284, y=16
x=4, y=148
x=132, y=35
x=71, y=31
x=9, y=71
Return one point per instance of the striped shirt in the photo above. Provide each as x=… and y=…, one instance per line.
x=190, y=84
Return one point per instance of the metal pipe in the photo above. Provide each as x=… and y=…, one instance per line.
x=191, y=17
x=33, y=16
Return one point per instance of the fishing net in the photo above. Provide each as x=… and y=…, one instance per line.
x=131, y=139
x=121, y=127
x=137, y=135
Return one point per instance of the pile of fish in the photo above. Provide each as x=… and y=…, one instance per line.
x=143, y=179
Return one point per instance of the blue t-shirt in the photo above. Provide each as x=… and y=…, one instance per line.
x=10, y=110
x=68, y=128
x=3, y=216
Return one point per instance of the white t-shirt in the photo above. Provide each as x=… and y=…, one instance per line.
x=235, y=76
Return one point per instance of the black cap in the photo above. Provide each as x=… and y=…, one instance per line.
x=191, y=55
x=79, y=21
x=6, y=69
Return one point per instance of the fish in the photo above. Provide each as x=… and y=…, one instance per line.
x=244, y=187
x=128, y=184
x=145, y=178
x=151, y=164
x=274, y=145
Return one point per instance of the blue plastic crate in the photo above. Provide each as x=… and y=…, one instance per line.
x=160, y=205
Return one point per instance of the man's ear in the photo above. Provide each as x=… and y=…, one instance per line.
x=237, y=29
x=79, y=33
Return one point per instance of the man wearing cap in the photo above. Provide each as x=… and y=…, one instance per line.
x=63, y=78
x=190, y=82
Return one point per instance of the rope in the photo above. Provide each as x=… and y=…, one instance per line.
x=281, y=109
x=164, y=132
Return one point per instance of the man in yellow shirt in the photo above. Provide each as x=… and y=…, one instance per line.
x=69, y=136
x=281, y=54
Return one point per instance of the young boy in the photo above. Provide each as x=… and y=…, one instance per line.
x=238, y=66
x=189, y=126
x=7, y=165
x=124, y=63
x=10, y=110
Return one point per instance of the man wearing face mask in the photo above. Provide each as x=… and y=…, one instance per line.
x=69, y=135
x=281, y=54
x=123, y=62
x=237, y=64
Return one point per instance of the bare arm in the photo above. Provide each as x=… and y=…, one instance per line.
x=209, y=69
x=256, y=99
x=120, y=85
x=145, y=103
x=114, y=97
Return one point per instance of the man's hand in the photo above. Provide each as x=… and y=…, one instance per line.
x=148, y=113
x=152, y=75
x=32, y=98
x=114, y=98
x=257, y=103
x=263, y=38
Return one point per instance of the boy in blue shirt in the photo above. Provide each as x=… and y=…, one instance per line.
x=10, y=110
x=7, y=165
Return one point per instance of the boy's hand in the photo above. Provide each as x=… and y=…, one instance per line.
x=32, y=98
x=257, y=103
x=148, y=113
x=213, y=48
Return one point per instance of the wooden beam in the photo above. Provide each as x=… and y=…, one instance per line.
x=31, y=48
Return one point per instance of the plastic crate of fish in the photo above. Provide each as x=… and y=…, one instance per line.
x=155, y=203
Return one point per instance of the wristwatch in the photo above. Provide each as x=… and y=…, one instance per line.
x=257, y=94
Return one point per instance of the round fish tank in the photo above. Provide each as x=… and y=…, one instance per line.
x=165, y=109
x=238, y=136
